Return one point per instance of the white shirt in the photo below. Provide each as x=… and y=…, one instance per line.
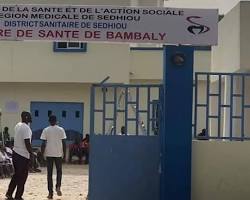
x=22, y=132
x=53, y=136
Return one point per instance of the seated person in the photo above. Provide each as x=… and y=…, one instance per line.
x=202, y=135
x=75, y=150
x=85, y=148
x=122, y=131
x=6, y=163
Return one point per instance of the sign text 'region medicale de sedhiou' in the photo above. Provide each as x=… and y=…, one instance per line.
x=109, y=24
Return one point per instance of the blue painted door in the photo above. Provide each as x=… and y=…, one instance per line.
x=69, y=116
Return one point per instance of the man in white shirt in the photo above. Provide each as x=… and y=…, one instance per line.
x=54, y=148
x=21, y=155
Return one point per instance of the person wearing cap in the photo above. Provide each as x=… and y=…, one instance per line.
x=54, y=148
x=22, y=152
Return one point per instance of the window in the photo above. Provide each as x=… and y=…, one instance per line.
x=49, y=113
x=64, y=114
x=36, y=113
x=70, y=47
x=77, y=114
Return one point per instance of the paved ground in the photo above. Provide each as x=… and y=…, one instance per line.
x=74, y=184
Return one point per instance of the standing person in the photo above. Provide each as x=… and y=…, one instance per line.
x=22, y=152
x=54, y=148
x=6, y=135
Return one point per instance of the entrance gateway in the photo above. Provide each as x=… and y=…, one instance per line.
x=153, y=159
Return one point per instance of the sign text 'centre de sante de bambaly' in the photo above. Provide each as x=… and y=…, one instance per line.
x=109, y=24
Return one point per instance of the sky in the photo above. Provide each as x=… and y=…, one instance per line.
x=223, y=5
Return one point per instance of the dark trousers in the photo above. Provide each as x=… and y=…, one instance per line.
x=58, y=163
x=21, y=169
x=75, y=152
x=79, y=153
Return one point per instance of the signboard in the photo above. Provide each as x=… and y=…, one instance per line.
x=109, y=24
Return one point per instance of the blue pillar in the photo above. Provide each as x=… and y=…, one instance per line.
x=177, y=123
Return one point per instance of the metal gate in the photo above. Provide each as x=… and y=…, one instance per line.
x=125, y=144
x=221, y=106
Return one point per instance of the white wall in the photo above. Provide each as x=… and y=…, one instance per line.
x=220, y=170
x=244, y=35
x=24, y=93
x=202, y=61
x=226, y=56
x=223, y=5
x=232, y=52
x=36, y=62
x=148, y=64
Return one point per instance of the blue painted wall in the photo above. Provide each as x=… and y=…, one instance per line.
x=124, y=168
x=70, y=122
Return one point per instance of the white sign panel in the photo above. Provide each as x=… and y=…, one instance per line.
x=109, y=24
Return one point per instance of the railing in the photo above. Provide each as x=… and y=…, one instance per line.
x=222, y=106
x=133, y=107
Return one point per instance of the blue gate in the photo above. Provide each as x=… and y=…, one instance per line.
x=125, y=144
x=135, y=163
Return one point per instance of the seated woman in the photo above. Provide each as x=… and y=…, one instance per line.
x=85, y=148
x=75, y=150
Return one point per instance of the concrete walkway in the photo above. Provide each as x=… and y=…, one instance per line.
x=74, y=184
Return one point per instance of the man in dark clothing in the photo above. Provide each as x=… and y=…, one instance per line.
x=21, y=154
